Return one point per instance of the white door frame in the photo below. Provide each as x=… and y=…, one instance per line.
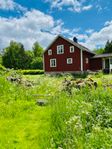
x=103, y=63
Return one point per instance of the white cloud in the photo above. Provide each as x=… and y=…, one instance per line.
x=89, y=31
x=33, y=26
x=72, y=5
x=108, y=23
x=94, y=39
x=11, y=5
x=99, y=38
x=87, y=7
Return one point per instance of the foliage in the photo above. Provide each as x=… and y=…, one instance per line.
x=15, y=56
x=37, y=63
x=37, y=50
x=2, y=67
x=80, y=120
x=28, y=59
x=0, y=59
x=99, y=51
x=23, y=124
x=83, y=75
x=31, y=72
x=108, y=47
x=83, y=119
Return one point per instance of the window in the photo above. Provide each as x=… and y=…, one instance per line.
x=69, y=60
x=87, y=60
x=49, y=52
x=52, y=62
x=60, y=49
x=71, y=49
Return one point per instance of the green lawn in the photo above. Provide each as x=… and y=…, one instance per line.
x=82, y=120
x=23, y=124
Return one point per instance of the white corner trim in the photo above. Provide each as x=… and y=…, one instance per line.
x=81, y=57
x=103, y=63
x=43, y=62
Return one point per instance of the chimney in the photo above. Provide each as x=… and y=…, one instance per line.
x=75, y=39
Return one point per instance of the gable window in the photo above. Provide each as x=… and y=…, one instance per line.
x=69, y=60
x=60, y=49
x=52, y=62
x=87, y=60
x=71, y=49
x=49, y=52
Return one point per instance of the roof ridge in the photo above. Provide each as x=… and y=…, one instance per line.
x=78, y=44
x=72, y=42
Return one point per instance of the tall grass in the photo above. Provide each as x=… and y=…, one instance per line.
x=83, y=120
x=23, y=124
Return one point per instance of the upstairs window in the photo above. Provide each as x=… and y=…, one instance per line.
x=87, y=60
x=71, y=49
x=52, y=62
x=49, y=52
x=69, y=60
x=60, y=49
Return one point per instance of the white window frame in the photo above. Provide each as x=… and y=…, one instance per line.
x=69, y=60
x=49, y=52
x=87, y=60
x=60, y=49
x=72, y=49
x=54, y=59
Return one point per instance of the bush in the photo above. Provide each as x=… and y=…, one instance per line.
x=106, y=71
x=0, y=59
x=2, y=67
x=31, y=72
x=80, y=75
x=37, y=63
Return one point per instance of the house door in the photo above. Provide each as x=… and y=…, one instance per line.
x=106, y=63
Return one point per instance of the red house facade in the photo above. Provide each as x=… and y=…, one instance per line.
x=66, y=56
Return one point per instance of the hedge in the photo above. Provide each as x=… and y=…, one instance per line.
x=31, y=72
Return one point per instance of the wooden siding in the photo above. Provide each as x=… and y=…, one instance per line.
x=86, y=66
x=96, y=64
x=62, y=58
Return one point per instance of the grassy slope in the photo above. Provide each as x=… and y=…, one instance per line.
x=75, y=121
x=23, y=124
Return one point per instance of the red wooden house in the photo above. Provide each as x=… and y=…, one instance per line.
x=64, y=55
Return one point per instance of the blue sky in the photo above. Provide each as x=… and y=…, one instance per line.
x=41, y=20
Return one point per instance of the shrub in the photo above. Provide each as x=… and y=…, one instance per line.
x=83, y=75
x=31, y=72
x=2, y=67
x=0, y=59
x=37, y=63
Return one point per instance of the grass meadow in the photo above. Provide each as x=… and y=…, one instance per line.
x=81, y=120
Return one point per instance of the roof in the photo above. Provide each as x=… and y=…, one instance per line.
x=103, y=55
x=72, y=42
